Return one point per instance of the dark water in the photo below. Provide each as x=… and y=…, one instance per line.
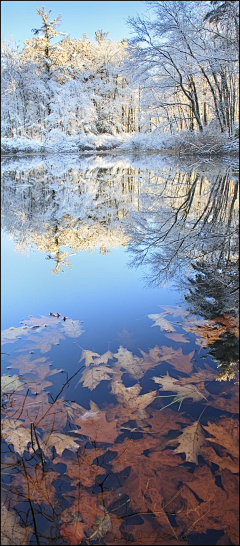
x=120, y=351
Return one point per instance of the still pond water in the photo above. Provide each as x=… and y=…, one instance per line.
x=119, y=351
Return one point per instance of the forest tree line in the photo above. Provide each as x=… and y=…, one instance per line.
x=178, y=72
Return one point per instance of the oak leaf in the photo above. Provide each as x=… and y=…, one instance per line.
x=225, y=433
x=179, y=361
x=129, y=397
x=129, y=362
x=72, y=328
x=36, y=484
x=12, y=334
x=42, y=320
x=168, y=383
x=60, y=442
x=190, y=442
x=14, y=432
x=10, y=384
x=88, y=356
x=94, y=424
x=179, y=338
x=92, y=376
x=163, y=323
x=81, y=467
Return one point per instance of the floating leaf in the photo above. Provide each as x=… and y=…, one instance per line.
x=163, y=323
x=190, y=442
x=92, y=376
x=12, y=334
x=73, y=328
x=103, y=359
x=129, y=362
x=179, y=338
x=168, y=383
x=175, y=311
x=225, y=433
x=14, y=432
x=88, y=356
x=11, y=384
x=60, y=442
x=42, y=320
x=129, y=397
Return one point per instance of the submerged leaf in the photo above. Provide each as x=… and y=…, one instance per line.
x=11, y=531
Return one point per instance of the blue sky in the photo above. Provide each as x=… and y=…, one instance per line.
x=79, y=17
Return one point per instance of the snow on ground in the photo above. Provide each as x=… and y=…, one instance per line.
x=184, y=143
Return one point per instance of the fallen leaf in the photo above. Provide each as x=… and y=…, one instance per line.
x=14, y=432
x=73, y=328
x=225, y=433
x=208, y=506
x=103, y=359
x=190, y=442
x=92, y=376
x=36, y=484
x=12, y=334
x=168, y=383
x=80, y=466
x=179, y=338
x=42, y=320
x=163, y=323
x=211, y=456
x=88, y=357
x=94, y=424
x=73, y=532
x=60, y=442
x=85, y=510
x=10, y=384
x=127, y=361
x=175, y=311
x=179, y=361
x=11, y=530
x=129, y=397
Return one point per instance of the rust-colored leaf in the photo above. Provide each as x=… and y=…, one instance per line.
x=225, y=433
x=36, y=484
x=94, y=424
x=80, y=466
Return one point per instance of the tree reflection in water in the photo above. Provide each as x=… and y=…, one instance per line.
x=198, y=227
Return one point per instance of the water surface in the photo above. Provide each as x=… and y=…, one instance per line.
x=120, y=350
